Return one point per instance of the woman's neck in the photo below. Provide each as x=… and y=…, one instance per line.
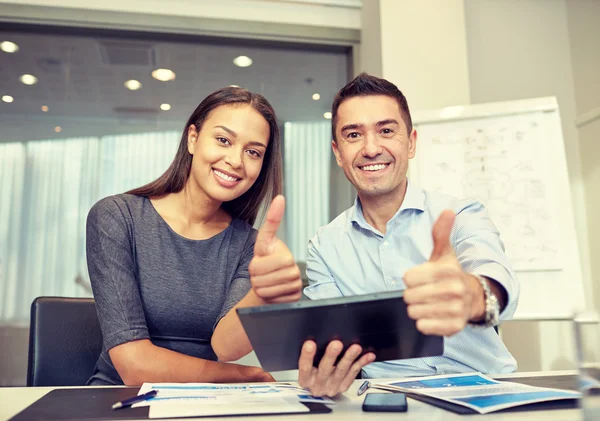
x=192, y=214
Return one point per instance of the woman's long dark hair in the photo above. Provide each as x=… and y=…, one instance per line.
x=270, y=180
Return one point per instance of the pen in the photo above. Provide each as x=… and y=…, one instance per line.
x=363, y=388
x=135, y=399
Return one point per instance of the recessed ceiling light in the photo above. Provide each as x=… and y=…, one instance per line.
x=164, y=75
x=28, y=79
x=327, y=115
x=242, y=61
x=234, y=86
x=9, y=47
x=58, y=129
x=7, y=98
x=45, y=108
x=133, y=84
x=316, y=97
x=165, y=107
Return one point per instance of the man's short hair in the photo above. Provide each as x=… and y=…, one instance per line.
x=364, y=85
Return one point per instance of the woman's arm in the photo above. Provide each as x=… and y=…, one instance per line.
x=112, y=269
x=275, y=278
x=141, y=361
x=229, y=340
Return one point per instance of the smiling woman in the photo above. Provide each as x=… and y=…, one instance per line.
x=256, y=120
x=185, y=240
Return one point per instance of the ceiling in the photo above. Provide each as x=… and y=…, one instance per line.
x=81, y=81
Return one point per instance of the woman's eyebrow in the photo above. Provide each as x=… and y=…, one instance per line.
x=228, y=130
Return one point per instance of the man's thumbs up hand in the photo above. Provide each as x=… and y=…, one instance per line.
x=438, y=293
x=274, y=275
x=441, y=236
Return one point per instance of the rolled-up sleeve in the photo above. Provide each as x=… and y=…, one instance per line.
x=112, y=269
x=480, y=251
x=322, y=285
x=240, y=284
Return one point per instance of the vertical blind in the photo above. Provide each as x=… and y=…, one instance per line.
x=47, y=188
x=307, y=160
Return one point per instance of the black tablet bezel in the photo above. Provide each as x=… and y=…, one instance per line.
x=379, y=321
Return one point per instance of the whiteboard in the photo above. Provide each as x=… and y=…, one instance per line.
x=510, y=157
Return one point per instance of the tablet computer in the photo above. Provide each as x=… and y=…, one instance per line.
x=378, y=322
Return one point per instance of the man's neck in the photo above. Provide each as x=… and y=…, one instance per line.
x=378, y=210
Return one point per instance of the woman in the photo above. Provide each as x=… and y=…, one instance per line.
x=169, y=261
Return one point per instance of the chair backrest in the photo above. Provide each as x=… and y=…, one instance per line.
x=65, y=341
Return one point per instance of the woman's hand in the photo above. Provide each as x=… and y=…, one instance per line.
x=274, y=274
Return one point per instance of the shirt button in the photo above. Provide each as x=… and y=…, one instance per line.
x=393, y=282
x=385, y=244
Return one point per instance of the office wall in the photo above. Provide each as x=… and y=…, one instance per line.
x=520, y=49
x=248, y=10
x=14, y=342
x=424, y=51
x=584, y=30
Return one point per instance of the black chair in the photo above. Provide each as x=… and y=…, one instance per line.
x=65, y=341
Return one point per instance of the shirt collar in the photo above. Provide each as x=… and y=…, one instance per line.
x=413, y=199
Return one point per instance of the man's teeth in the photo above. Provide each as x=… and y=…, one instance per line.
x=225, y=176
x=374, y=167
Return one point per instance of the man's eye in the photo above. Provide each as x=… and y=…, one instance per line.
x=387, y=131
x=353, y=135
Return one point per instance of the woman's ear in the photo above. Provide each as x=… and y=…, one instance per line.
x=192, y=138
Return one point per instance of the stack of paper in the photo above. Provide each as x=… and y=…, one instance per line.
x=477, y=392
x=176, y=400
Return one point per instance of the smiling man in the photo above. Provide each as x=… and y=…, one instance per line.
x=445, y=253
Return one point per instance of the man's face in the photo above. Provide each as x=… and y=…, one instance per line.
x=373, y=146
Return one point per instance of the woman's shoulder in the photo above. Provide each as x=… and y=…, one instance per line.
x=242, y=226
x=242, y=229
x=120, y=206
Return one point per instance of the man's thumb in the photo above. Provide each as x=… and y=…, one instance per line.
x=441, y=235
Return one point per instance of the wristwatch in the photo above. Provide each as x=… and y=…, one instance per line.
x=492, y=306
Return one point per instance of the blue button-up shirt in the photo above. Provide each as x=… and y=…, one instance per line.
x=350, y=257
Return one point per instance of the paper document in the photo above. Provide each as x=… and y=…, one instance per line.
x=478, y=392
x=208, y=399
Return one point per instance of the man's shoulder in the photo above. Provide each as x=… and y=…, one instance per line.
x=436, y=202
x=342, y=221
x=332, y=231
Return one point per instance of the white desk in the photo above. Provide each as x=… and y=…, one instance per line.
x=13, y=400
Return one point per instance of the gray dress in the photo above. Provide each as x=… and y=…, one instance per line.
x=151, y=283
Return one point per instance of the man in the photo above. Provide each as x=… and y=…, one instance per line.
x=445, y=253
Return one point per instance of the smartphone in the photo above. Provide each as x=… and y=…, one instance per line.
x=385, y=402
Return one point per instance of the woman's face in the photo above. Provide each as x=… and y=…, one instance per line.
x=228, y=152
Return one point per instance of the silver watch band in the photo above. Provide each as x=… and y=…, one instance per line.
x=492, y=306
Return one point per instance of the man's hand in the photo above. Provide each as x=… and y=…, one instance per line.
x=274, y=274
x=440, y=296
x=330, y=379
